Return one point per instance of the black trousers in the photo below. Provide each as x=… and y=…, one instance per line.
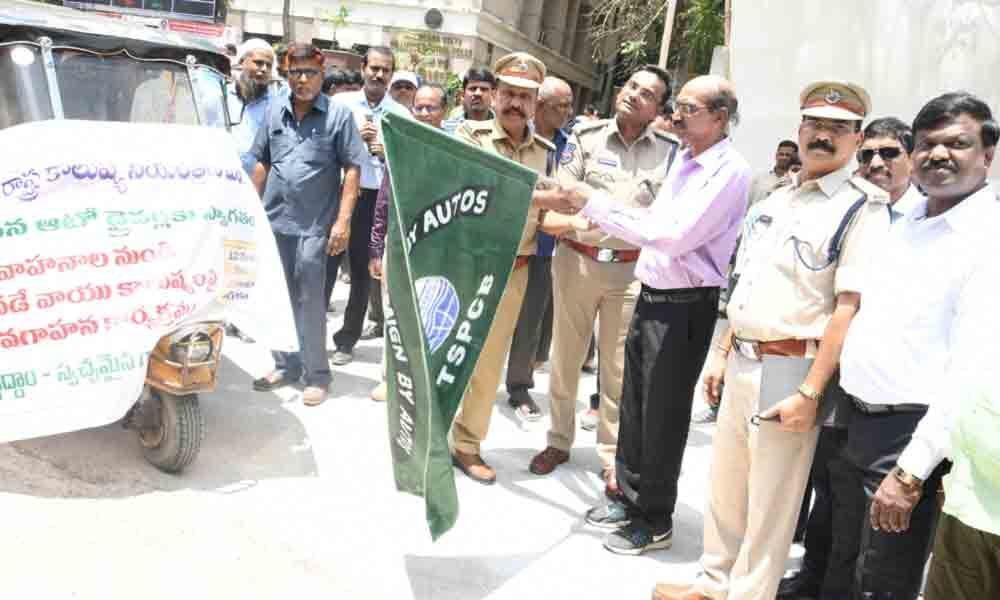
x=664, y=352
x=819, y=525
x=531, y=322
x=375, y=313
x=357, y=302
x=866, y=564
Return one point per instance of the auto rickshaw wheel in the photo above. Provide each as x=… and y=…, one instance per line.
x=176, y=442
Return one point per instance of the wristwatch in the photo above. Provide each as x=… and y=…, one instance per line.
x=810, y=393
x=908, y=479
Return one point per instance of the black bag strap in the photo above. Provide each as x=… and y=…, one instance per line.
x=837, y=242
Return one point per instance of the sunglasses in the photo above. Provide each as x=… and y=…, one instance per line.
x=887, y=153
x=297, y=73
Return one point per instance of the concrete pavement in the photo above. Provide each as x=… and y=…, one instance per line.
x=287, y=501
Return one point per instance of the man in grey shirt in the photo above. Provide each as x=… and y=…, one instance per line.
x=304, y=144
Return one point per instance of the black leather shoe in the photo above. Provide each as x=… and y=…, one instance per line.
x=803, y=584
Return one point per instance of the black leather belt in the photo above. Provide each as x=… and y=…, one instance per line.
x=885, y=409
x=680, y=295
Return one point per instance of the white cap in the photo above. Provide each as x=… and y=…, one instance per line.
x=409, y=76
x=252, y=45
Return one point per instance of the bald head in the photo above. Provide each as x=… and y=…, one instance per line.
x=705, y=107
x=553, y=86
x=555, y=106
x=717, y=92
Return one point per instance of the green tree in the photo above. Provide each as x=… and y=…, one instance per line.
x=336, y=20
x=703, y=28
x=637, y=28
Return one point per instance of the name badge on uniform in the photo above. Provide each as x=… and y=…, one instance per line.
x=567, y=154
x=608, y=162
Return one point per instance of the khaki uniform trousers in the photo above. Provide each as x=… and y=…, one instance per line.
x=472, y=421
x=757, y=481
x=582, y=290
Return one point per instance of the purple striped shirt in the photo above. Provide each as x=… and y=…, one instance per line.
x=688, y=233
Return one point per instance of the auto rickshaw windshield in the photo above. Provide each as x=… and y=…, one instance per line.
x=24, y=90
x=108, y=87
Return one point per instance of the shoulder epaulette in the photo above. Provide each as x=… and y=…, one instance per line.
x=544, y=142
x=592, y=125
x=874, y=193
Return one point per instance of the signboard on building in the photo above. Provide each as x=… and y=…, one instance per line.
x=430, y=54
x=202, y=10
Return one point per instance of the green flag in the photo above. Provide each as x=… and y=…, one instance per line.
x=455, y=222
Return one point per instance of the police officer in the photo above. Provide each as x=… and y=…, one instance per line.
x=593, y=272
x=519, y=76
x=799, y=268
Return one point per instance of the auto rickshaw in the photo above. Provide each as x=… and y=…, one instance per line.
x=60, y=63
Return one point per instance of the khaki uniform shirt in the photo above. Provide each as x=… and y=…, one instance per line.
x=631, y=175
x=533, y=153
x=763, y=184
x=787, y=285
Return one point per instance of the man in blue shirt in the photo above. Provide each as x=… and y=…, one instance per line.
x=368, y=105
x=304, y=144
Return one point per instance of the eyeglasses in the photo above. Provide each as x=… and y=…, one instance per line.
x=688, y=109
x=297, y=73
x=887, y=153
x=834, y=127
x=426, y=109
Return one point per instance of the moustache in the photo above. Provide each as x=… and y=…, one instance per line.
x=821, y=145
x=514, y=111
x=939, y=164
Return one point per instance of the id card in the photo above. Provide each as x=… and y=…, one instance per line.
x=780, y=377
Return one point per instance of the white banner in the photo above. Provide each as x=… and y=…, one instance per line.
x=112, y=236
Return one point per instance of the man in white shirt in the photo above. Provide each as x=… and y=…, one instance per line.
x=368, y=105
x=895, y=353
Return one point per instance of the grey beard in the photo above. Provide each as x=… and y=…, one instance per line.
x=250, y=89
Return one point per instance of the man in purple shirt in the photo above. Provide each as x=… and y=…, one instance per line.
x=686, y=237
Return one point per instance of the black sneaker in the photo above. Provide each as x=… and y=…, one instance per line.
x=608, y=516
x=637, y=537
x=803, y=584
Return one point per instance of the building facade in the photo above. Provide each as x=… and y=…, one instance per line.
x=445, y=37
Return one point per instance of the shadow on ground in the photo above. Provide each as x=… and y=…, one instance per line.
x=250, y=436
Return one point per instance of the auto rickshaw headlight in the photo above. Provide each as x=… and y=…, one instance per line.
x=191, y=348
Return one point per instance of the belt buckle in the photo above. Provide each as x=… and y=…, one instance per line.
x=748, y=348
x=605, y=255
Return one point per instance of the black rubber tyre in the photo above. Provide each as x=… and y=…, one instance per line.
x=183, y=431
